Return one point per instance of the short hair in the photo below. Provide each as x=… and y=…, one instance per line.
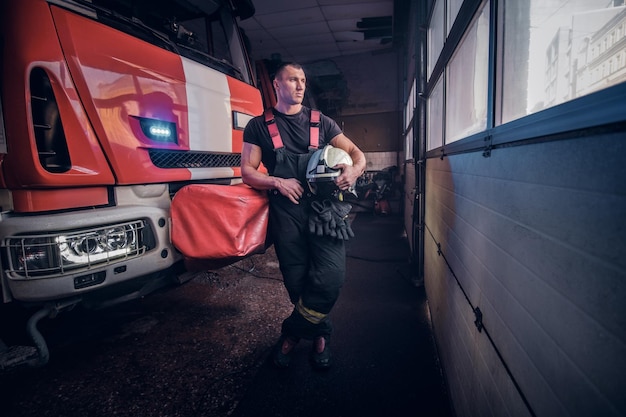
x=282, y=67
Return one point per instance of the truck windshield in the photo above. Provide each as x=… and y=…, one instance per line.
x=202, y=30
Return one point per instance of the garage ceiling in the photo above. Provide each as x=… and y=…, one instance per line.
x=310, y=30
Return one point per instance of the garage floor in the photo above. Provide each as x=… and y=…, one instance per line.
x=201, y=349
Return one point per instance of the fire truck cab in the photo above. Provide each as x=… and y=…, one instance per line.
x=107, y=109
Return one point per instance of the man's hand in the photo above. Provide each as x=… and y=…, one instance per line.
x=348, y=176
x=290, y=188
x=349, y=173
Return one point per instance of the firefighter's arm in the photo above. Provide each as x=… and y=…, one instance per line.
x=349, y=174
x=250, y=174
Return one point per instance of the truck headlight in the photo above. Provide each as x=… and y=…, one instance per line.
x=54, y=254
x=97, y=245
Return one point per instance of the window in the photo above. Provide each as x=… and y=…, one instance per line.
x=453, y=9
x=555, y=51
x=467, y=85
x=436, y=35
x=408, y=122
x=548, y=53
x=206, y=34
x=435, y=117
x=408, y=145
x=410, y=107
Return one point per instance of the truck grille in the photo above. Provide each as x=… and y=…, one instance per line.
x=178, y=159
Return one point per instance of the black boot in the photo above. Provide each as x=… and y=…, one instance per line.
x=282, y=351
x=320, y=356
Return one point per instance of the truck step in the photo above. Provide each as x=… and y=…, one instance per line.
x=15, y=356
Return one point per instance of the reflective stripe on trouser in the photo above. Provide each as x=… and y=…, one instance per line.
x=298, y=327
x=309, y=314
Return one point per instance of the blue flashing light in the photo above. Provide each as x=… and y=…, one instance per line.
x=158, y=130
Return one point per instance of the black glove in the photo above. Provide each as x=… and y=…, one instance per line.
x=340, y=211
x=344, y=231
x=321, y=218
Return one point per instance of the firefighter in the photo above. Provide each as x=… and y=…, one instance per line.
x=310, y=252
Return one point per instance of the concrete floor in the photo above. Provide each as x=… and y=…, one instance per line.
x=385, y=362
x=201, y=349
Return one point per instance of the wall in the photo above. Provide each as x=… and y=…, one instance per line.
x=363, y=102
x=536, y=237
x=377, y=135
x=377, y=132
x=372, y=82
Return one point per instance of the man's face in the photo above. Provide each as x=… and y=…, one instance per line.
x=290, y=86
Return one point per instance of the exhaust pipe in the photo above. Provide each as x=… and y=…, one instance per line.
x=43, y=355
x=13, y=357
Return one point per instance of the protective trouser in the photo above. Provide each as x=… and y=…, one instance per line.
x=313, y=267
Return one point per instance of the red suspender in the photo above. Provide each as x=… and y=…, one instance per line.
x=314, y=130
x=273, y=129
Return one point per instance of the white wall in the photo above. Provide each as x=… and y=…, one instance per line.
x=379, y=160
x=536, y=236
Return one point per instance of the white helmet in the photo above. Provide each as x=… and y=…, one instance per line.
x=320, y=173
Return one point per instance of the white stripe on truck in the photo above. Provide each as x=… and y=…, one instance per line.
x=208, y=106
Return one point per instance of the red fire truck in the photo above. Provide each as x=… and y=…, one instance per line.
x=108, y=109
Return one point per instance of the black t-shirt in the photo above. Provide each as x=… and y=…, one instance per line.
x=294, y=131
